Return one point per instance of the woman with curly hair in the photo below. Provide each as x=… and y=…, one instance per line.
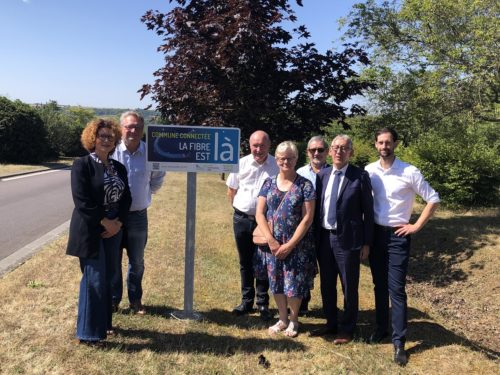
x=101, y=194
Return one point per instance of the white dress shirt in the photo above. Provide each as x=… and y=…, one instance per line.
x=249, y=180
x=328, y=194
x=394, y=191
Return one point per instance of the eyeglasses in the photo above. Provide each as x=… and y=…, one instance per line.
x=319, y=149
x=341, y=149
x=133, y=127
x=104, y=137
x=288, y=160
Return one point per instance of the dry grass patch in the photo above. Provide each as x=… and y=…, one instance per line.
x=38, y=315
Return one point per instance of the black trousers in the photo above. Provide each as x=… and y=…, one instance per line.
x=243, y=226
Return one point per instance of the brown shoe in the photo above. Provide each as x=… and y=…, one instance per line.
x=137, y=308
x=342, y=339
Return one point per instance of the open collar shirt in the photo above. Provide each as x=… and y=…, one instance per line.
x=308, y=172
x=394, y=191
x=249, y=180
x=142, y=181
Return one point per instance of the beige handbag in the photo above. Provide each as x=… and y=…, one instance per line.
x=257, y=236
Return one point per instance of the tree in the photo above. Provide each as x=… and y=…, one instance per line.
x=227, y=63
x=64, y=128
x=436, y=67
x=23, y=138
x=436, y=63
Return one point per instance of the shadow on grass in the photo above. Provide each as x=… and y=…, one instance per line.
x=202, y=342
x=421, y=329
x=427, y=333
x=445, y=243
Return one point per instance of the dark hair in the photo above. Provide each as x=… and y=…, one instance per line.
x=387, y=130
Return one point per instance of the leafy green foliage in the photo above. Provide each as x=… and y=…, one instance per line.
x=436, y=69
x=23, y=138
x=64, y=127
x=463, y=170
x=435, y=62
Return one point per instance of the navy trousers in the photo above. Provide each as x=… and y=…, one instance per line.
x=337, y=262
x=243, y=228
x=389, y=266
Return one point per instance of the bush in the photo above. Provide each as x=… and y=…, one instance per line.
x=23, y=138
x=64, y=128
x=463, y=172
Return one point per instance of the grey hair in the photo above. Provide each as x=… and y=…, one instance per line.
x=139, y=118
x=345, y=138
x=285, y=146
x=317, y=138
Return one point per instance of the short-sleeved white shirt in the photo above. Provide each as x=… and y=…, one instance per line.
x=249, y=180
x=394, y=191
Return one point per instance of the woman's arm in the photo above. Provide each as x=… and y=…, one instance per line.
x=300, y=231
x=85, y=201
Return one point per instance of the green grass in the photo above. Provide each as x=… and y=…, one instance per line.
x=39, y=307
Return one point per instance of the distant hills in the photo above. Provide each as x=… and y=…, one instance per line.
x=149, y=115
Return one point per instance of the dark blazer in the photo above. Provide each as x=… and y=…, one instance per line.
x=87, y=188
x=354, y=207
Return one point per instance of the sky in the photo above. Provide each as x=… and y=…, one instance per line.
x=97, y=53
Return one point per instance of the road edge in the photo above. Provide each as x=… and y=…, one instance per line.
x=19, y=257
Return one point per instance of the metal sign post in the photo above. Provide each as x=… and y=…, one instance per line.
x=190, y=249
x=192, y=149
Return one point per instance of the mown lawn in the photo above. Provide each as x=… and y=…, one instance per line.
x=39, y=306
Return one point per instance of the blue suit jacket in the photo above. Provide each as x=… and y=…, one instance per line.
x=354, y=207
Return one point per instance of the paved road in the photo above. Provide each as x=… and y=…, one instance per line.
x=31, y=206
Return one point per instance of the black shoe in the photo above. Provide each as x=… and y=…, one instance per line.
x=377, y=337
x=304, y=308
x=323, y=331
x=265, y=314
x=400, y=356
x=242, y=309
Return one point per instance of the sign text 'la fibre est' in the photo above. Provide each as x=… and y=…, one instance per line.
x=193, y=148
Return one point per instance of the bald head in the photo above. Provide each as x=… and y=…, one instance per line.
x=259, y=146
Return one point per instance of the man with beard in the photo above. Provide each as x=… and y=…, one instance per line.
x=395, y=184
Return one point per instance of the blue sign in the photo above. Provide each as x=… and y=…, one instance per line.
x=193, y=148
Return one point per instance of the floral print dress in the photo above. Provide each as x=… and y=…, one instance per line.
x=294, y=275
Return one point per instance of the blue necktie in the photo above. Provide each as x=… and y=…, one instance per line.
x=332, y=211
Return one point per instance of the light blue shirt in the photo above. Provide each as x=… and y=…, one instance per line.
x=307, y=172
x=142, y=181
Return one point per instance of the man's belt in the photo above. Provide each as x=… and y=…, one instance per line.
x=242, y=214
